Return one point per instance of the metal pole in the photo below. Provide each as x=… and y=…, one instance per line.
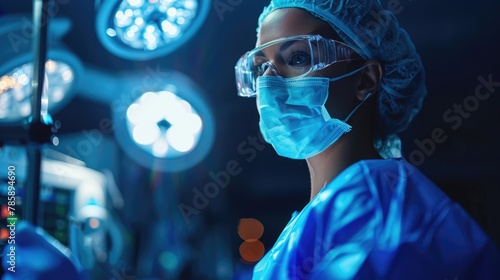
x=40, y=22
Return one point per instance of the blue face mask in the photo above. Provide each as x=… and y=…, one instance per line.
x=293, y=117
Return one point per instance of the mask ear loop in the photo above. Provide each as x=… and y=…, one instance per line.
x=353, y=111
x=366, y=97
x=348, y=74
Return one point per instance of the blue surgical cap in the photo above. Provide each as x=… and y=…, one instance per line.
x=375, y=34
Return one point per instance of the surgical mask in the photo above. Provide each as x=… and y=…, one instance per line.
x=293, y=117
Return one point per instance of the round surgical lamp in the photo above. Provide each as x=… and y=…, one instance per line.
x=167, y=127
x=147, y=29
x=62, y=68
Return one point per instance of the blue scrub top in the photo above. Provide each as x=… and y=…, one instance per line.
x=381, y=219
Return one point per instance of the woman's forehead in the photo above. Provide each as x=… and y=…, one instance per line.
x=290, y=22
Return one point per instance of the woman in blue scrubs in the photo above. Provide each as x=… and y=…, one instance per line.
x=334, y=82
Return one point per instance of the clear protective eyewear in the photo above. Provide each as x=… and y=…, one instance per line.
x=289, y=57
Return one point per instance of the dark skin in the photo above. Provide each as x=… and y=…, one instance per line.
x=344, y=96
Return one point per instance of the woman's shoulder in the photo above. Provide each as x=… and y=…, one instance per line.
x=368, y=172
x=382, y=174
x=382, y=166
x=376, y=187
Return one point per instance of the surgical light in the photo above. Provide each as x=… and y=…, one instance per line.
x=164, y=124
x=168, y=127
x=146, y=29
x=62, y=69
x=15, y=89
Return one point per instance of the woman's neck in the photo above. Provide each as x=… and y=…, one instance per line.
x=352, y=147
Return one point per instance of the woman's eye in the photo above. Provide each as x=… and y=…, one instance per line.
x=299, y=59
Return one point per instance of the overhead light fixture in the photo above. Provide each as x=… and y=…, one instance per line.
x=164, y=124
x=16, y=89
x=168, y=127
x=146, y=29
x=62, y=69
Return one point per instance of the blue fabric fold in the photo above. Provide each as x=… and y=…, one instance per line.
x=381, y=219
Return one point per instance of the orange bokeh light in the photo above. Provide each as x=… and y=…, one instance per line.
x=250, y=229
x=5, y=212
x=94, y=223
x=4, y=233
x=252, y=251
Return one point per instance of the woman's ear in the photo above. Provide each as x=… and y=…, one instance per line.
x=370, y=79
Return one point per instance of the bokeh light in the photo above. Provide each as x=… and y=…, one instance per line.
x=250, y=229
x=252, y=251
x=16, y=89
x=164, y=124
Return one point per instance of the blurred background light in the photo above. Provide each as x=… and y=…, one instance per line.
x=63, y=69
x=15, y=89
x=168, y=127
x=250, y=230
x=252, y=251
x=146, y=29
x=164, y=124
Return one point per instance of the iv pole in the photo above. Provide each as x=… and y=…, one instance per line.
x=39, y=125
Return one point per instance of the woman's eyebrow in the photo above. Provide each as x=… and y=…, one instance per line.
x=282, y=48
x=286, y=45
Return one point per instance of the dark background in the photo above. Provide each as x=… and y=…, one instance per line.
x=458, y=41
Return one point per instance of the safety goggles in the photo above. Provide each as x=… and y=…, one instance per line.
x=289, y=57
